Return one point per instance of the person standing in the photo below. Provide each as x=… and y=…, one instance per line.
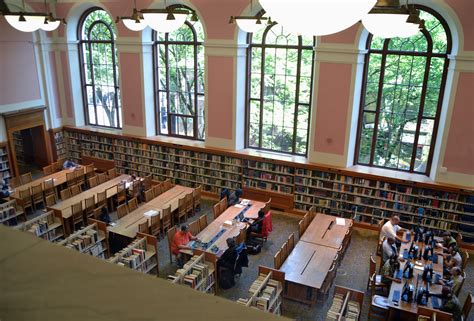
x=391, y=228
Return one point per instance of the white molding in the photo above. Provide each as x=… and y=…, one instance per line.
x=455, y=179
x=22, y=105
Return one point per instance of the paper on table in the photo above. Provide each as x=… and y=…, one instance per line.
x=340, y=221
x=150, y=213
x=239, y=206
x=245, y=202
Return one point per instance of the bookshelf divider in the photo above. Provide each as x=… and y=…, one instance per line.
x=47, y=226
x=91, y=239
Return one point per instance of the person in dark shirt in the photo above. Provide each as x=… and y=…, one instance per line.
x=69, y=164
x=389, y=268
x=229, y=257
x=257, y=225
x=451, y=303
x=4, y=191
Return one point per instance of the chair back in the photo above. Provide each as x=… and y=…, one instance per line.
x=291, y=242
x=26, y=178
x=372, y=265
x=80, y=176
x=92, y=181
x=197, y=195
x=132, y=204
x=122, y=210
x=170, y=234
x=48, y=184
x=194, y=227
x=65, y=194
x=277, y=261
x=102, y=198
x=266, y=208
x=241, y=237
x=157, y=190
x=102, y=178
x=166, y=216
x=147, y=181
x=15, y=182
x=76, y=210
x=89, y=203
x=217, y=210
x=37, y=190
x=144, y=228
x=76, y=189
x=97, y=212
x=189, y=202
x=70, y=178
x=155, y=225
x=48, y=170
x=58, y=165
x=203, y=222
x=466, y=309
x=465, y=259
x=312, y=212
x=149, y=195
x=182, y=205
x=167, y=184
x=50, y=200
x=112, y=173
x=223, y=205
x=284, y=251
x=301, y=228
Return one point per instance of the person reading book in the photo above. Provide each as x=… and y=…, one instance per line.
x=180, y=242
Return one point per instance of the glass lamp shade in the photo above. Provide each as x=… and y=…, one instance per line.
x=50, y=26
x=31, y=23
x=157, y=21
x=408, y=30
x=249, y=25
x=385, y=25
x=133, y=25
x=317, y=17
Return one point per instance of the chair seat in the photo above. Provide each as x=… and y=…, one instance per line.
x=380, y=302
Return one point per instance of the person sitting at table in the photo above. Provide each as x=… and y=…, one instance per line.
x=104, y=215
x=234, y=198
x=448, y=241
x=4, y=191
x=180, y=242
x=68, y=164
x=226, y=264
x=391, y=228
x=453, y=259
x=455, y=280
x=388, y=249
x=257, y=225
x=451, y=303
x=388, y=270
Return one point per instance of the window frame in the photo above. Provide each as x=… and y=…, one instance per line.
x=248, y=84
x=156, y=82
x=84, y=86
x=384, y=52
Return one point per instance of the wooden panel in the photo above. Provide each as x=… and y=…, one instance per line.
x=101, y=165
x=279, y=200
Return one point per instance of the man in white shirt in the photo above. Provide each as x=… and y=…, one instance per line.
x=391, y=228
x=388, y=249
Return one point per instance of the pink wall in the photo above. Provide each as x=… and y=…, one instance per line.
x=334, y=83
x=18, y=68
x=347, y=36
x=54, y=100
x=459, y=155
x=67, y=84
x=220, y=97
x=131, y=86
x=464, y=10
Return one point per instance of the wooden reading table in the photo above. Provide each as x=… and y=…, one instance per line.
x=327, y=231
x=128, y=225
x=408, y=310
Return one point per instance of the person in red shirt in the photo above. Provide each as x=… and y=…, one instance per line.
x=180, y=242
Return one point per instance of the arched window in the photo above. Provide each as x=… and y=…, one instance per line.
x=403, y=89
x=179, y=81
x=279, y=82
x=99, y=69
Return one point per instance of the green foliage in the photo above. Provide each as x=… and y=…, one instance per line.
x=399, y=99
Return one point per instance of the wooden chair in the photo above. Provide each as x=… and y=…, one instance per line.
x=89, y=206
x=217, y=210
x=37, y=195
x=328, y=281
x=167, y=184
x=291, y=242
x=50, y=200
x=188, y=199
x=65, y=194
x=26, y=178
x=156, y=190
x=203, y=222
x=102, y=199
x=194, y=227
x=465, y=259
x=76, y=189
x=58, y=165
x=25, y=200
x=121, y=193
x=144, y=228
x=277, y=261
x=312, y=213
x=284, y=251
x=378, y=278
x=197, y=198
x=70, y=179
x=15, y=182
x=112, y=173
x=242, y=236
x=166, y=219
x=113, y=190
x=301, y=228
x=97, y=212
x=135, y=191
x=48, y=187
x=266, y=208
x=155, y=226
x=122, y=210
x=182, y=210
x=149, y=195
x=48, y=170
x=170, y=234
x=80, y=177
x=466, y=309
x=89, y=169
x=77, y=214
x=92, y=181
x=147, y=182
x=102, y=178
x=132, y=205
x=223, y=205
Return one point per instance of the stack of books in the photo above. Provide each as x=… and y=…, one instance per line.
x=83, y=242
x=353, y=311
x=335, y=309
x=133, y=259
x=194, y=274
x=7, y=212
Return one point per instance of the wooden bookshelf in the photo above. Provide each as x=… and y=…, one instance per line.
x=346, y=305
x=266, y=291
x=140, y=255
x=5, y=167
x=9, y=213
x=199, y=273
x=18, y=145
x=47, y=226
x=293, y=184
x=61, y=145
x=92, y=240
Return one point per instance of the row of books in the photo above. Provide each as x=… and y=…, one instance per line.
x=335, y=310
x=277, y=178
x=7, y=212
x=133, y=259
x=269, y=167
x=265, y=293
x=83, y=241
x=196, y=273
x=268, y=186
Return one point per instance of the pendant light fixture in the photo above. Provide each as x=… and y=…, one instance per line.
x=388, y=19
x=251, y=24
x=32, y=21
x=317, y=17
x=135, y=22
